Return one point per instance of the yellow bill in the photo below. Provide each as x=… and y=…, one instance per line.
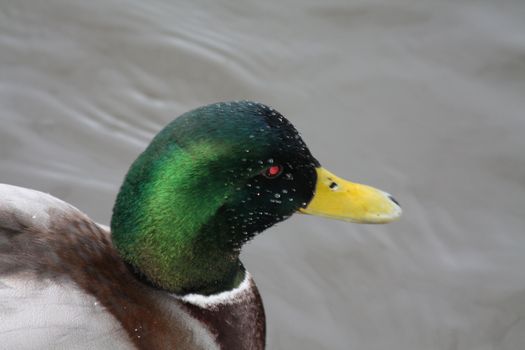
x=344, y=200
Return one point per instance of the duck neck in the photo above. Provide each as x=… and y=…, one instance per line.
x=167, y=225
x=171, y=256
x=193, y=267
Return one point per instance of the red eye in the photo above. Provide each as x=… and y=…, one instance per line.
x=273, y=171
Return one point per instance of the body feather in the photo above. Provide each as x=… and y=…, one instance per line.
x=63, y=285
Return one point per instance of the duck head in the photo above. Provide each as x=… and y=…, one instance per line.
x=214, y=178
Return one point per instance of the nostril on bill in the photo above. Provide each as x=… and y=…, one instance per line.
x=394, y=200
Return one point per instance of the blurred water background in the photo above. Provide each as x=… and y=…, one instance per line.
x=424, y=99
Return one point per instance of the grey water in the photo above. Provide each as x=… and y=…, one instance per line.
x=424, y=99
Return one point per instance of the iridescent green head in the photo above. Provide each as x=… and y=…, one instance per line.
x=214, y=178
x=208, y=182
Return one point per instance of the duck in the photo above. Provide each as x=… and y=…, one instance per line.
x=166, y=274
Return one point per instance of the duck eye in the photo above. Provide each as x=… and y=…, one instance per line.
x=273, y=171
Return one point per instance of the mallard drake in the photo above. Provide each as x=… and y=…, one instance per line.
x=168, y=276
